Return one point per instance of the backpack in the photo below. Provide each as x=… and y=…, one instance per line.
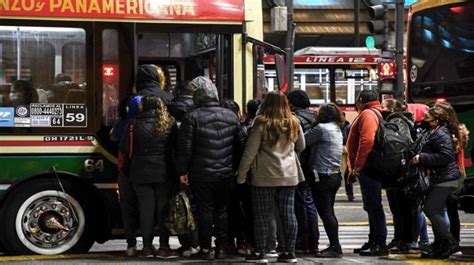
x=387, y=155
x=180, y=218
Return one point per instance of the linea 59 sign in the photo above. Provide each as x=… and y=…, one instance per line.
x=219, y=10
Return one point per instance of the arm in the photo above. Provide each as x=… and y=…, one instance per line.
x=443, y=152
x=250, y=152
x=313, y=136
x=300, y=142
x=367, y=130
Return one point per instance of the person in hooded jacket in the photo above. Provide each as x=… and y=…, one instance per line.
x=207, y=140
x=151, y=82
x=438, y=155
x=305, y=209
x=148, y=143
x=183, y=102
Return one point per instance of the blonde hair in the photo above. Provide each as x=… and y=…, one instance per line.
x=274, y=115
x=163, y=121
x=161, y=75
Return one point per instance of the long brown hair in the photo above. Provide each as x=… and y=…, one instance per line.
x=163, y=120
x=446, y=115
x=275, y=114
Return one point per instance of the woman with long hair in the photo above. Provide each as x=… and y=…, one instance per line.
x=148, y=144
x=325, y=140
x=271, y=155
x=439, y=157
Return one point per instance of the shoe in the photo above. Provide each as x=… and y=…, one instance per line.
x=330, y=252
x=166, y=253
x=257, y=258
x=364, y=247
x=148, y=252
x=287, y=257
x=401, y=248
x=203, y=254
x=190, y=251
x=448, y=247
x=243, y=250
x=375, y=251
x=131, y=251
x=393, y=243
x=220, y=253
x=314, y=251
x=350, y=198
x=301, y=251
x=272, y=254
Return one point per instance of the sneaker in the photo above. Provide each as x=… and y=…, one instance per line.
x=393, y=243
x=148, y=252
x=375, y=250
x=257, y=258
x=287, y=258
x=401, y=248
x=166, y=253
x=131, y=251
x=364, y=247
x=203, y=254
x=243, y=250
x=330, y=252
x=272, y=254
x=190, y=251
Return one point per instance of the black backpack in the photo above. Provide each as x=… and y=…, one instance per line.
x=387, y=156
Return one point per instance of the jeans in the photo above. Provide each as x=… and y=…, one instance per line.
x=422, y=230
x=307, y=216
x=212, y=199
x=435, y=208
x=372, y=200
x=453, y=215
x=324, y=194
x=129, y=206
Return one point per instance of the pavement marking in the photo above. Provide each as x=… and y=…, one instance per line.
x=54, y=257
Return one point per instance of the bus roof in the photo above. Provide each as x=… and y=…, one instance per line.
x=425, y=4
x=221, y=11
x=337, y=50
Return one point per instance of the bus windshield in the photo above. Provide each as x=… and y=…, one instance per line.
x=441, y=47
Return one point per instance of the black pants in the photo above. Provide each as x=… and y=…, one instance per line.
x=129, y=206
x=307, y=217
x=453, y=215
x=212, y=199
x=324, y=195
x=405, y=215
x=153, y=201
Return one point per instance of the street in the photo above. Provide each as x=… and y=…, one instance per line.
x=353, y=233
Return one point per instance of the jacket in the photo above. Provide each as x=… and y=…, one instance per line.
x=439, y=156
x=181, y=105
x=306, y=116
x=361, y=138
x=148, y=83
x=151, y=152
x=271, y=166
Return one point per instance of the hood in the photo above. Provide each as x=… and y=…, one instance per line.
x=299, y=98
x=205, y=92
x=147, y=76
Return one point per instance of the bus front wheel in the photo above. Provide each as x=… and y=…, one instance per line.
x=39, y=218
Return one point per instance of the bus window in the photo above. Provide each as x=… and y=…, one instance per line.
x=316, y=84
x=110, y=87
x=349, y=82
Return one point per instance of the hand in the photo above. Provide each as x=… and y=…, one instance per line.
x=184, y=179
x=353, y=175
x=415, y=160
x=240, y=180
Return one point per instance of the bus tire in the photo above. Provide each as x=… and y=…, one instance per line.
x=38, y=219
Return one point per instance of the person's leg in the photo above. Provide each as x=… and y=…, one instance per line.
x=262, y=203
x=204, y=197
x=349, y=187
x=285, y=202
x=163, y=195
x=301, y=217
x=129, y=207
x=435, y=206
x=373, y=204
x=453, y=215
x=396, y=216
x=146, y=203
x=221, y=200
x=312, y=220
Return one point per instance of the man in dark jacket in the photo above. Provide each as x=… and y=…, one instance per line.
x=183, y=102
x=150, y=82
x=305, y=209
x=206, y=142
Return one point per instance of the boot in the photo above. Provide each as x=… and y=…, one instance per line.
x=449, y=247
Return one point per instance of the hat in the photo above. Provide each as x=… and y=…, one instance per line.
x=299, y=98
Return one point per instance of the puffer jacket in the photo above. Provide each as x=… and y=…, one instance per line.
x=307, y=117
x=151, y=151
x=439, y=156
x=209, y=137
x=181, y=105
x=148, y=83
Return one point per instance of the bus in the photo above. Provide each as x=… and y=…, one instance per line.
x=334, y=74
x=77, y=60
x=440, y=63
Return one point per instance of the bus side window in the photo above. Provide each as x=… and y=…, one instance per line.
x=110, y=77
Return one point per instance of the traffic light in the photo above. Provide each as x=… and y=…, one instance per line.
x=378, y=27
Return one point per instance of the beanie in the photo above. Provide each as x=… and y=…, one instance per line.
x=299, y=98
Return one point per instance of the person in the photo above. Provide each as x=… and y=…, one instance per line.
x=271, y=154
x=438, y=155
x=348, y=186
x=148, y=145
x=151, y=81
x=360, y=143
x=325, y=140
x=129, y=108
x=206, y=141
x=183, y=102
x=306, y=214
x=24, y=93
x=404, y=210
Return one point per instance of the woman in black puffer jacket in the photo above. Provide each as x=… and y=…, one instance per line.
x=148, y=144
x=439, y=157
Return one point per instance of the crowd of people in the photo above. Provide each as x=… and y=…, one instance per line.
x=257, y=182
